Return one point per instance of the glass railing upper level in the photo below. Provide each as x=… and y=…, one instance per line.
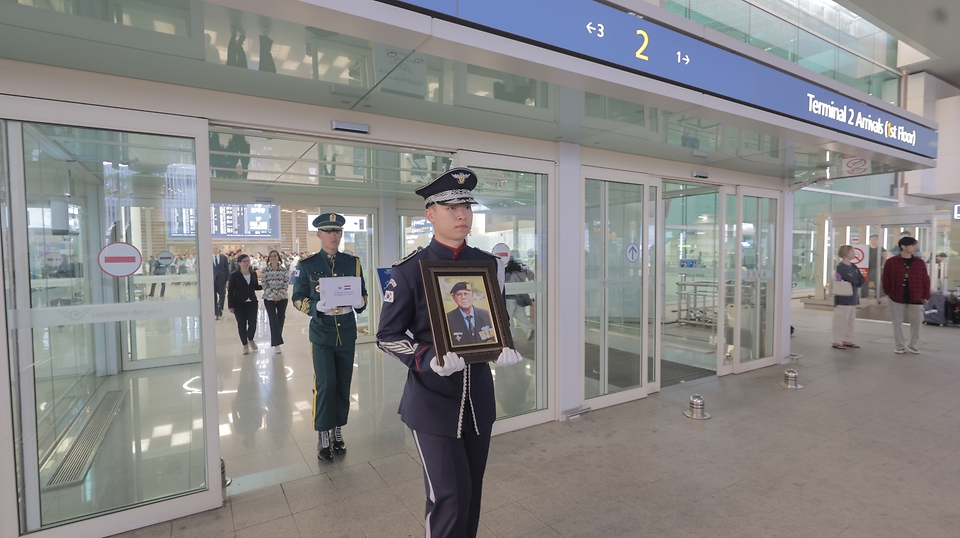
x=819, y=35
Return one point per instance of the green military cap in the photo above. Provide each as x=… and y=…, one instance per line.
x=329, y=222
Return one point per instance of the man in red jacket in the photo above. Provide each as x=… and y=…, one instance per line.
x=906, y=283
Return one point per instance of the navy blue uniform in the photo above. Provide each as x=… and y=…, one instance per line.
x=451, y=417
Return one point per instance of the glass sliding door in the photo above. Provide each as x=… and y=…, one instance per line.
x=108, y=382
x=752, y=270
x=693, y=287
x=511, y=212
x=620, y=299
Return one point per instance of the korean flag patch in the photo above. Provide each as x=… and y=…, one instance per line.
x=388, y=296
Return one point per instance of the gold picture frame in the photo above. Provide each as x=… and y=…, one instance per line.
x=466, y=308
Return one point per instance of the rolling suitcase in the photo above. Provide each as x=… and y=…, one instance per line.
x=936, y=310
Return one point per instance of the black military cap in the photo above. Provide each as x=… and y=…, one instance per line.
x=329, y=222
x=459, y=286
x=450, y=188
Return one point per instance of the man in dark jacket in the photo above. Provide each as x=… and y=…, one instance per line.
x=906, y=283
x=221, y=273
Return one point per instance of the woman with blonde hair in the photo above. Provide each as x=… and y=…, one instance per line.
x=845, y=306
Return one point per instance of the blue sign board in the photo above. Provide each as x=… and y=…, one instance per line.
x=384, y=274
x=596, y=31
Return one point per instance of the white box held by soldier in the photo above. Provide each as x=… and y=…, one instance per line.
x=339, y=291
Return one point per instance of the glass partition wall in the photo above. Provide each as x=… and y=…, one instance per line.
x=99, y=363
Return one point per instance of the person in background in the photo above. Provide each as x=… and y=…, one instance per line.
x=516, y=304
x=275, y=278
x=907, y=284
x=221, y=274
x=157, y=269
x=242, y=301
x=873, y=266
x=845, y=308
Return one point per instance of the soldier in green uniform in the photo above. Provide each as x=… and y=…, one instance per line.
x=333, y=332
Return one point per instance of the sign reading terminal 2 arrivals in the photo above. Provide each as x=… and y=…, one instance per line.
x=601, y=33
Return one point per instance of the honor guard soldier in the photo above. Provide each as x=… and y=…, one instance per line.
x=449, y=408
x=333, y=332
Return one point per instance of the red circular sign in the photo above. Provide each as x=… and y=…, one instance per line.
x=119, y=259
x=857, y=254
x=165, y=257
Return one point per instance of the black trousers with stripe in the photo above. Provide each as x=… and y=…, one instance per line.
x=453, y=478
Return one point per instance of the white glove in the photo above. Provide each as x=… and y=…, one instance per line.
x=507, y=357
x=451, y=363
x=360, y=303
x=324, y=309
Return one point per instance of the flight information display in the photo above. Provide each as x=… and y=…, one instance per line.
x=245, y=221
x=181, y=222
x=599, y=32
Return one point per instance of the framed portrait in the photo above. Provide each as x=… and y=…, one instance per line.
x=467, y=312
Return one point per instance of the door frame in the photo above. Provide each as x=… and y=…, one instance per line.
x=645, y=388
x=762, y=362
x=547, y=375
x=24, y=109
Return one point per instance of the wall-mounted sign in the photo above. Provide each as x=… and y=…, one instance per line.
x=592, y=30
x=119, y=259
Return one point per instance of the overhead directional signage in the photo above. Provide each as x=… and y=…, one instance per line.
x=599, y=32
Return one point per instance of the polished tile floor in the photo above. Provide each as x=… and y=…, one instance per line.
x=866, y=449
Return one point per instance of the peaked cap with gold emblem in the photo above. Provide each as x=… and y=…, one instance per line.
x=329, y=222
x=453, y=187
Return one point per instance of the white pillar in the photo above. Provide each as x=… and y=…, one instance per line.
x=567, y=288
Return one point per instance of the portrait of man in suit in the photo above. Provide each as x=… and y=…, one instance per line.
x=469, y=323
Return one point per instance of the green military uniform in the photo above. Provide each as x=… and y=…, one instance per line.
x=332, y=337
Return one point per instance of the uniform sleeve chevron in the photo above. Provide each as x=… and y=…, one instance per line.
x=398, y=347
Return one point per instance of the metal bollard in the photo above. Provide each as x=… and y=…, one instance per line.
x=697, y=408
x=224, y=481
x=790, y=379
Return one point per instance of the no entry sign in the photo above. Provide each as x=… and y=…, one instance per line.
x=53, y=259
x=165, y=258
x=502, y=250
x=119, y=259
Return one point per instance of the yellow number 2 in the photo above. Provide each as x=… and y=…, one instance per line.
x=646, y=41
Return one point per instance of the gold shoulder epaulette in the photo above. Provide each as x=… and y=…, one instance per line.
x=407, y=258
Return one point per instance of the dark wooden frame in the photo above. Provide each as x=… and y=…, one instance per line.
x=432, y=271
